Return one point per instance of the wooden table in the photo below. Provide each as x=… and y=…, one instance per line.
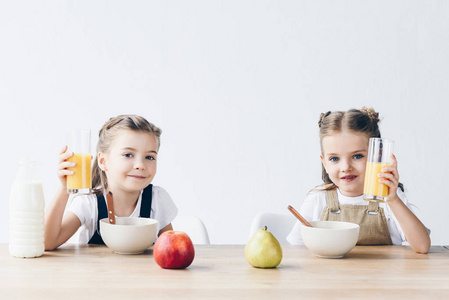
x=221, y=272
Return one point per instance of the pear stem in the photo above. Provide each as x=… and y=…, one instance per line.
x=265, y=228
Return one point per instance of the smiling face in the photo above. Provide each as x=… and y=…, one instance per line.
x=344, y=158
x=130, y=163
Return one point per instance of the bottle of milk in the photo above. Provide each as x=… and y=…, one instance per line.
x=26, y=212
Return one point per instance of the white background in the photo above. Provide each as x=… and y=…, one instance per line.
x=237, y=88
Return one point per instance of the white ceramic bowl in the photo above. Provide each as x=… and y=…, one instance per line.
x=128, y=235
x=330, y=239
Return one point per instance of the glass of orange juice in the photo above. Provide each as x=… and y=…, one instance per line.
x=78, y=142
x=379, y=156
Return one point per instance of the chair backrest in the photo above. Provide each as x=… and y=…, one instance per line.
x=193, y=226
x=279, y=225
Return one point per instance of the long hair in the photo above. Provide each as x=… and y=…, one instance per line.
x=365, y=120
x=108, y=133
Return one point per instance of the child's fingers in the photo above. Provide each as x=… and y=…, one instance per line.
x=388, y=177
x=63, y=149
x=65, y=172
x=66, y=164
x=65, y=155
x=387, y=182
x=394, y=161
x=391, y=169
x=62, y=171
x=394, y=164
x=392, y=188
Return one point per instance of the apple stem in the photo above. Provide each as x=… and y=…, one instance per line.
x=265, y=228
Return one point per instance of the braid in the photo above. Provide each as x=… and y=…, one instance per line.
x=371, y=113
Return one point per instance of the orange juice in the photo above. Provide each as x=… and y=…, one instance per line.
x=373, y=190
x=81, y=179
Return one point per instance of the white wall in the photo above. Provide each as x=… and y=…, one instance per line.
x=236, y=86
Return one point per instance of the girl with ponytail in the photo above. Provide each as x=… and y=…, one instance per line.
x=124, y=166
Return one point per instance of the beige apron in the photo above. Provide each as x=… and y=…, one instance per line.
x=371, y=218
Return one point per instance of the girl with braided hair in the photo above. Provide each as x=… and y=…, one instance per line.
x=125, y=165
x=344, y=139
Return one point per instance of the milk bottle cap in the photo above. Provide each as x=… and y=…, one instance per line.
x=27, y=169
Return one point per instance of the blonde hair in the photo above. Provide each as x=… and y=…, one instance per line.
x=109, y=132
x=363, y=120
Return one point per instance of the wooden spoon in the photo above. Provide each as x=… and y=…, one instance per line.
x=299, y=217
x=110, y=203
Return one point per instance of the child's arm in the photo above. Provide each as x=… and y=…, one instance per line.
x=415, y=232
x=59, y=227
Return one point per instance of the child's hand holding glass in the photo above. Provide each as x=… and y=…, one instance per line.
x=390, y=177
x=63, y=164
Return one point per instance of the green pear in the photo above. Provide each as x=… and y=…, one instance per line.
x=263, y=250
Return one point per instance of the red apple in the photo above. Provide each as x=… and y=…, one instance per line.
x=173, y=250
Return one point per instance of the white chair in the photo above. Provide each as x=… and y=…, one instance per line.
x=279, y=225
x=194, y=227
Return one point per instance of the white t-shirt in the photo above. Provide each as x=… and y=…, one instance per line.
x=316, y=201
x=85, y=207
